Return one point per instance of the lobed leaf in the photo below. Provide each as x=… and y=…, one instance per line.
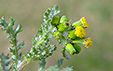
x=5, y=62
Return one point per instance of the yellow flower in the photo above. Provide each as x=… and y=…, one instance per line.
x=84, y=22
x=79, y=31
x=87, y=42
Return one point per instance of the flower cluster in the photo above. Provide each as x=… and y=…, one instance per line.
x=53, y=26
x=70, y=35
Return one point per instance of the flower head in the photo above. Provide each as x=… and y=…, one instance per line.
x=87, y=42
x=84, y=22
x=79, y=31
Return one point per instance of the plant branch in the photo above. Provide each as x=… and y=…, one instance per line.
x=23, y=64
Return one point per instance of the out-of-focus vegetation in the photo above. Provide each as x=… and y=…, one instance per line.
x=99, y=14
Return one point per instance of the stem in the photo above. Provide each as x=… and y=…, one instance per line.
x=40, y=41
x=16, y=53
x=23, y=64
x=15, y=45
x=28, y=60
x=78, y=41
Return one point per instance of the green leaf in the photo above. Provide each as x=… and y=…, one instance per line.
x=11, y=22
x=20, y=45
x=57, y=67
x=50, y=12
x=52, y=47
x=19, y=55
x=5, y=60
x=59, y=62
x=53, y=68
x=12, y=50
x=40, y=32
x=68, y=68
x=13, y=57
x=17, y=29
x=3, y=22
x=42, y=63
x=59, y=41
x=63, y=53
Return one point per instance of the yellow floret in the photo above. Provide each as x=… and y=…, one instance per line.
x=87, y=42
x=79, y=31
x=84, y=22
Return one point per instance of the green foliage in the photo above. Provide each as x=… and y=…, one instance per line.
x=5, y=62
x=12, y=35
x=42, y=65
x=42, y=48
x=53, y=26
x=57, y=67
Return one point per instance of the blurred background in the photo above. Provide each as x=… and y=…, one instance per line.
x=99, y=14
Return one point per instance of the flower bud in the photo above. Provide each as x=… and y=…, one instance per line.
x=55, y=20
x=70, y=49
x=82, y=22
x=57, y=34
x=64, y=19
x=63, y=26
x=77, y=48
x=71, y=34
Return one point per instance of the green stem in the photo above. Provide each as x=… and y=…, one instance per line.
x=40, y=41
x=23, y=64
x=16, y=53
x=78, y=41
x=15, y=45
x=28, y=60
